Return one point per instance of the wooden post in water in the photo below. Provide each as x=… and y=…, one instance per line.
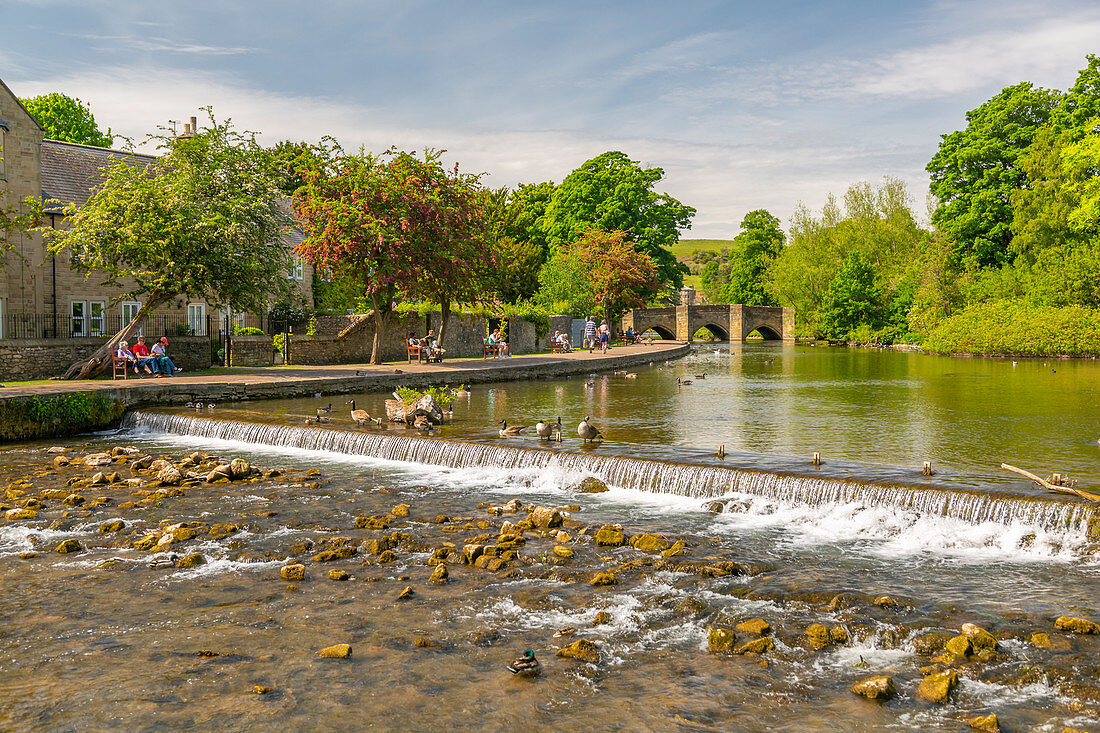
x=817, y=459
x=927, y=470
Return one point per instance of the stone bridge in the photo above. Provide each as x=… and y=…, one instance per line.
x=727, y=322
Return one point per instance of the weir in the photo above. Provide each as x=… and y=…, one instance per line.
x=683, y=479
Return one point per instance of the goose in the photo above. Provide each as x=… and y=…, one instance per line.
x=588, y=431
x=324, y=410
x=545, y=428
x=322, y=418
x=361, y=417
x=192, y=404
x=683, y=382
x=525, y=666
x=209, y=405
x=510, y=431
x=701, y=376
x=461, y=391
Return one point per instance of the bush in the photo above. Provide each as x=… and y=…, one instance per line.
x=1014, y=328
x=248, y=331
x=280, y=343
x=442, y=395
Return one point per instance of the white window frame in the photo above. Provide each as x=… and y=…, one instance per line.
x=130, y=309
x=97, y=324
x=196, y=318
x=297, y=269
x=82, y=319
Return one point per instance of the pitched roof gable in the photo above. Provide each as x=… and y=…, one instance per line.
x=70, y=170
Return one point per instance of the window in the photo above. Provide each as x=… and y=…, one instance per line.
x=78, y=319
x=196, y=318
x=97, y=318
x=3, y=170
x=130, y=310
x=297, y=269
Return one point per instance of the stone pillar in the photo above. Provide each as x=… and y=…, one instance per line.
x=737, y=325
x=788, y=324
x=683, y=323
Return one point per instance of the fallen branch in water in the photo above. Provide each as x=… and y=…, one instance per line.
x=1050, y=486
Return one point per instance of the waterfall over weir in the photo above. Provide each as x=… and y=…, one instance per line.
x=690, y=480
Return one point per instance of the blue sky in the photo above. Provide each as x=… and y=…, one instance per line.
x=745, y=105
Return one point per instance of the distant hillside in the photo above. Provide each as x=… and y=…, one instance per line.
x=685, y=247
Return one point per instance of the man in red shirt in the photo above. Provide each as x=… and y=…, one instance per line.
x=141, y=351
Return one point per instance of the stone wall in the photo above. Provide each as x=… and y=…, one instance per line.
x=252, y=351
x=23, y=359
x=464, y=338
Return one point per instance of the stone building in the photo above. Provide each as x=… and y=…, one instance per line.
x=43, y=296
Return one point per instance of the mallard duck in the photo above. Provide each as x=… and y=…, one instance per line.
x=683, y=382
x=588, y=431
x=545, y=428
x=164, y=562
x=525, y=666
x=324, y=410
x=322, y=418
x=362, y=417
x=312, y=420
x=510, y=431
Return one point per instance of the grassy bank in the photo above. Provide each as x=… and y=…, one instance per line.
x=27, y=418
x=1017, y=329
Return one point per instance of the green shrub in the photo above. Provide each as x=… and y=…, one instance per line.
x=248, y=331
x=280, y=343
x=442, y=395
x=1014, y=328
x=24, y=418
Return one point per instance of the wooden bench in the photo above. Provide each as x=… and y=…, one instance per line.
x=489, y=350
x=556, y=347
x=120, y=366
x=413, y=351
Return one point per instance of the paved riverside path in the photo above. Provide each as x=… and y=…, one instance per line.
x=302, y=381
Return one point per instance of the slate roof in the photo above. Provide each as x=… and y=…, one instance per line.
x=70, y=171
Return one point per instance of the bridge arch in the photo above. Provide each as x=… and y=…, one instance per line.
x=766, y=332
x=727, y=322
x=720, y=333
x=661, y=331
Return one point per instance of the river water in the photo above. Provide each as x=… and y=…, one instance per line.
x=100, y=640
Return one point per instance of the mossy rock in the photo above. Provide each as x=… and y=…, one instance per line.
x=1075, y=625
x=756, y=646
x=336, y=651
x=406, y=593
x=720, y=640
x=652, y=543
x=958, y=646
x=1040, y=639
x=817, y=636
x=599, y=579
x=401, y=510
x=931, y=642
x=18, y=514
x=937, y=687
x=147, y=542
x=592, y=485
x=563, y=552
x=985, y=723
x=979, y=637
x=879, y=688
x=336, y=553
x=439, y=575
x=68, y=546
x=377, y=521
x=610, y=535
x=375, y=546
x=114, y=526
x=601, y=618
x=337, y=574
x=755, y=627
x=582, y=650
x=546, y=517
x=293, y=573
x=191, y=561
x=676, y=550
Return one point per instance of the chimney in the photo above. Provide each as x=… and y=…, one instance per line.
x=186, y=129
x=194, y=126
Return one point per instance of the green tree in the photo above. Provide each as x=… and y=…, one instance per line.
x=854, y=298
x=515, y=255
x=564, y=284
x=293, y=159
x=67, y=118
x=975, y=171
x=611, y=192
x=759, y=242
x=201, y=220
x=621, y=276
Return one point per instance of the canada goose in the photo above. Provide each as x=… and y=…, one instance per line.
x=768, y=361
x=545, y=428
x=701, y=376
x=322, y=418
x=525, y=666
x=683, y=382
x=209, y=405
x=510, y=431
x=362, y=417
x=588, y=431
x=461, y=391
x=324, y=410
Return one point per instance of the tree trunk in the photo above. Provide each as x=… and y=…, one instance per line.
x=100, y=361
x=610, y=323
x=382, y=304
x=444, y=317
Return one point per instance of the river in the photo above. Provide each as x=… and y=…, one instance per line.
x=100, y=640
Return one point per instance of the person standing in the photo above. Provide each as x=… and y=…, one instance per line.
x=165, y=365
x=589, y=334
x=605, y=337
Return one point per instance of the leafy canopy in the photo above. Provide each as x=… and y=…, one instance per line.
x=742, y=280
x=67, y=118
x=621, y=277
x=611, y=192
x=202, y=220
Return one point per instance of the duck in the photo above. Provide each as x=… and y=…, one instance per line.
x=630, y=375
x=510, y=431
x=545, y=428
x=422, y=423
x=322, y=418
x=324, y=410
x=683, y=382
x=701, y=376
x=190, y=404
x=209, y=405
x=361, y=417
x=769, y=361
x=164, y=562
x=312, y=420
x=525, y=666
x=588, y=431
x=589, y=383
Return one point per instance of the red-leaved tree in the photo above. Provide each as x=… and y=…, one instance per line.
x=621, y=276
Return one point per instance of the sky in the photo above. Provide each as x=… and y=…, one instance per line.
x=743, y=104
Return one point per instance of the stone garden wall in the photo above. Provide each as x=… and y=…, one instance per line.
x=252, y=351
x=23, y=359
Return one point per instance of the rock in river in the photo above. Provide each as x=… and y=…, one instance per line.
x=937, y=687
x=293, y=573
x=336, y=651
x=720, y=640
x=1076, y=625
x=582, y=650
x=879, y=687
